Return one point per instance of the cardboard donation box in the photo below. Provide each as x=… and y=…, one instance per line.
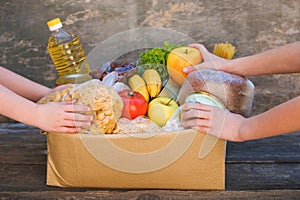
x=184, y=159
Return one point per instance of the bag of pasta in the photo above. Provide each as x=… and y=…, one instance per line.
x=106, y=105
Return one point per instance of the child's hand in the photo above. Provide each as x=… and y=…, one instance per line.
x=212, y=120
x=62, y=117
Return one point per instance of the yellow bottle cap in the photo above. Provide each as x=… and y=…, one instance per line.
x=54, y=24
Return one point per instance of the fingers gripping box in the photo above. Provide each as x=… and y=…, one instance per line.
x=185, y=159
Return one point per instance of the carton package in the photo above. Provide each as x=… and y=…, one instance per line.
x=185, y=159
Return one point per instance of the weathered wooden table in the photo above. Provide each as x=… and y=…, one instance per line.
x=261, y=169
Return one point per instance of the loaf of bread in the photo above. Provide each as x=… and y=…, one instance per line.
x=234, y=91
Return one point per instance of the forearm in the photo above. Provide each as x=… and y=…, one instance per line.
x=284, y=118
x=285, y=59
x=17, y=107
x=22, y=86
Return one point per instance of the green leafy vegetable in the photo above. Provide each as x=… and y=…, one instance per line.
x=156, y=58
x=157, y=55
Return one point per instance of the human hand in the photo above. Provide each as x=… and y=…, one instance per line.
x=62, y=117
x=212, y=120
x=210, y=61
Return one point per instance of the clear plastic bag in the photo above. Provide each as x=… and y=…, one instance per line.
x=106, y=105
x=174, y=123
x=119, y=87
x=110, y=79
x=140, y=124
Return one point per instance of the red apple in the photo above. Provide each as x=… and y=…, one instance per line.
x=135, y=104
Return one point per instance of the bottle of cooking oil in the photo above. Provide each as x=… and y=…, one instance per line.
x=67, y=55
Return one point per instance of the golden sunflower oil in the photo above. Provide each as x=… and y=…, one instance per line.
x=67, y=55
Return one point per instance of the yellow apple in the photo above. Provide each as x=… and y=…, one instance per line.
x=180, y=58
x=161, y=109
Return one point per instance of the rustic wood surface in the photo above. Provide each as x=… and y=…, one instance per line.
x=261, y=169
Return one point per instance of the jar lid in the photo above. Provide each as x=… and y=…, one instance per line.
x=205, y=98
x=54, y=24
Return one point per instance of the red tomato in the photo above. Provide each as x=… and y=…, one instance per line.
x=135, y=104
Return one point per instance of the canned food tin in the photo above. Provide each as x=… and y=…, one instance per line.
x=205, y=98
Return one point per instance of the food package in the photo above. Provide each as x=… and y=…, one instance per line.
x=120, y=68
x=140, y=124
x=235, y=92
x=106, y=105
x=174, y=123
x=224, y=50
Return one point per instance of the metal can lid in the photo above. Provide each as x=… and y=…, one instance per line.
x=205, y=98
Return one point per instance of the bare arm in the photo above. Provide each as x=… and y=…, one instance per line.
x=281, y=60
x=16, y=101
x=284, y=59
x=281, y=119
x=22, y=86
x=55, y=117
x=16, y=107
x=284, y=118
